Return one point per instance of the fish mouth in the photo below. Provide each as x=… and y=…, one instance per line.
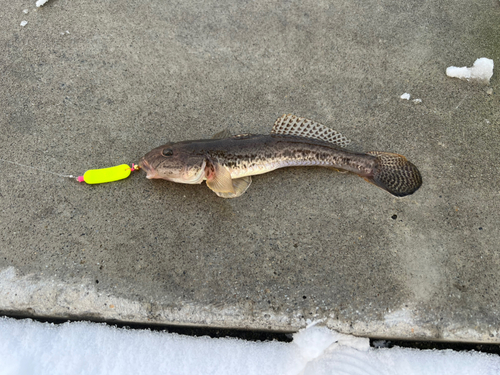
x=148, y=169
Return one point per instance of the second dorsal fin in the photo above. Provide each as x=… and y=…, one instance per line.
x=302, y=127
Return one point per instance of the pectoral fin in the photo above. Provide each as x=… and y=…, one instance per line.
x=240, y=185
x=223, y=185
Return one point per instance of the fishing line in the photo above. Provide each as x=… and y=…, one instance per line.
x=39, y=169
x=92, y=176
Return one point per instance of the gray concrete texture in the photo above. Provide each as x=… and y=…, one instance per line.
x=96, y=84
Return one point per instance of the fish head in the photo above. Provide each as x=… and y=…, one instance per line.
x=174, y=162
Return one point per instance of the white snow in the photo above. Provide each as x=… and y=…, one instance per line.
x=28, y=347
x=39, y=3
x=25, y=11
x=481, y=71
x=24, y=23
x=407, y=96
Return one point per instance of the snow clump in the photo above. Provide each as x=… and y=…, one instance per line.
x=481, y=71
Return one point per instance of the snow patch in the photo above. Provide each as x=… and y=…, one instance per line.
x=407, y=96
x=399, y=361
x=313, y=341
x=481, y=71
x=39, y=3
x=28, y=347
x=24, y=23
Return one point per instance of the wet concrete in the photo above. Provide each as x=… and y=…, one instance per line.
x=92, y=85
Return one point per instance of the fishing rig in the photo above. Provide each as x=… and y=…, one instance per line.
x=93, y=176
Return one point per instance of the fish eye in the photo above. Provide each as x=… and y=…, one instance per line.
x=167, y=152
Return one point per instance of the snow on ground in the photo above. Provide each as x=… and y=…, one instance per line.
x=39, y=3
x=28, y=347
x=407, y=96
x=481, y=71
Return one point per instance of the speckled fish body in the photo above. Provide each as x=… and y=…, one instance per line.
x=227, y=162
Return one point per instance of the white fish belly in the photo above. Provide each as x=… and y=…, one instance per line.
x=261, y=168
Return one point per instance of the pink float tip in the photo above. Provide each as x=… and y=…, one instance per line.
x=80, y=179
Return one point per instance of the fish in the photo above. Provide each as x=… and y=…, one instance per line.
x=226, y=162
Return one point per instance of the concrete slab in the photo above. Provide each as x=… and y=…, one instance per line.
x=92, y=85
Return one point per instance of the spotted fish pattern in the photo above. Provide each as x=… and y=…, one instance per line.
x=227, y=162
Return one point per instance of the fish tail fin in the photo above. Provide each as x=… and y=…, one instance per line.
x=395, y=174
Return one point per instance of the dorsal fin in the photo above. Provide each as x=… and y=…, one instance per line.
x=226, y=133
x=299, y=126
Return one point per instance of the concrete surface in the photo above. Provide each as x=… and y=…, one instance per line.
x=95, y=84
